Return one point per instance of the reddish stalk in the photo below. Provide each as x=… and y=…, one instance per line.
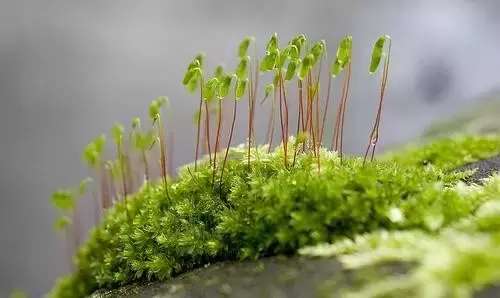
x=217, y=138
x=228, y=143
x=198, y=124
x=105, y=197
x=285, y=104
x=344, y=105
x=374, y=135
x=301, y=104
x=163, y=164
x=325, y=111
x=207, y=132
x=121, y=158
x=146, y=165
x=336, y=132
x=299, y=109
x=254, y=97
x=270, y=128
x=282, y=123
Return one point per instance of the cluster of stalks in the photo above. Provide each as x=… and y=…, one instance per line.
x=296, y=72
x=300, y=60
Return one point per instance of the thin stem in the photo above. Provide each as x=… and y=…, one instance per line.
x=344, y=105
x=325, y=112
x=228, y=144
x=207, y=132
x=283, y=88
x=374, y=135
x=217, y=138
x=336, y=133
x=121, y=159
x=270, y=129
x=301, y=104
x=254, y=96
x=163, y=164
x=250, y=108
x=198, y=128
x=146, y=165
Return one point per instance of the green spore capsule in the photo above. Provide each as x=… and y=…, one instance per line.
x=318, y=49
x=282, y=58
x=62, y=223
x=117, y=133
x=292, y=69
x=269, y=61
x=241, y=86
x=342, y=57
x=136, y=123
x=378, y=52
x=82, y=187
x=192, y=86
x=243, y=47
x=293, y=52
x=225, y=85
x=154, y=110
x=211, y=88
x=63, y=199
x=99, y=143
x=299, y=41
x=219, y=72
x=272, y=45
x=242, y=68
x=200, y=58
x=306, y=66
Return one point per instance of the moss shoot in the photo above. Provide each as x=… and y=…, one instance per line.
x=265, y=209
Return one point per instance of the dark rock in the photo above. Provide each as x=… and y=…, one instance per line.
x=482, y=169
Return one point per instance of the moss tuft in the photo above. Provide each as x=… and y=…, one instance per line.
x=265, y=209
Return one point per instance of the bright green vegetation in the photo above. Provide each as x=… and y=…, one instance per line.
x=455, y=262
x=264, y=208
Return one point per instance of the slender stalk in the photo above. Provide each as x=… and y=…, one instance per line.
x=374, y=135
x=217, y=138
x=270, y=128
x=254, y=97
x=325, y=111
x=338, y=137
x=207, y=132
x=101, y=173
x=163, y=164
x=228, y=143
x=282, y=123
x=299, y=117
x=121, y=159
x=198, y=128
x=285, y=105
x=250, y=108
x=146, y=165
x=336, y=132
x=301, y=104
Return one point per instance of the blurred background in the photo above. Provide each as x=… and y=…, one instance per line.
x=70, y=69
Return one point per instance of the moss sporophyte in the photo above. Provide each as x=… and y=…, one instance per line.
x=256, y=200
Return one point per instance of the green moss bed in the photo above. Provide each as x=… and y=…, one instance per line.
x=411, y=205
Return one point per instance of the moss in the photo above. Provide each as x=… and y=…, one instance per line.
x=458, y=261
x=264, y=209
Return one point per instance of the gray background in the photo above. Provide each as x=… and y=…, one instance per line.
x=69, y=69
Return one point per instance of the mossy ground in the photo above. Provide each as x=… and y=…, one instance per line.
x=266, y=209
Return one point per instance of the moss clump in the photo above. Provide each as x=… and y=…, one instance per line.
x=264, y=209
x=456, y=262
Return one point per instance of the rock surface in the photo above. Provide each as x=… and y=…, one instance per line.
x=273, y=277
